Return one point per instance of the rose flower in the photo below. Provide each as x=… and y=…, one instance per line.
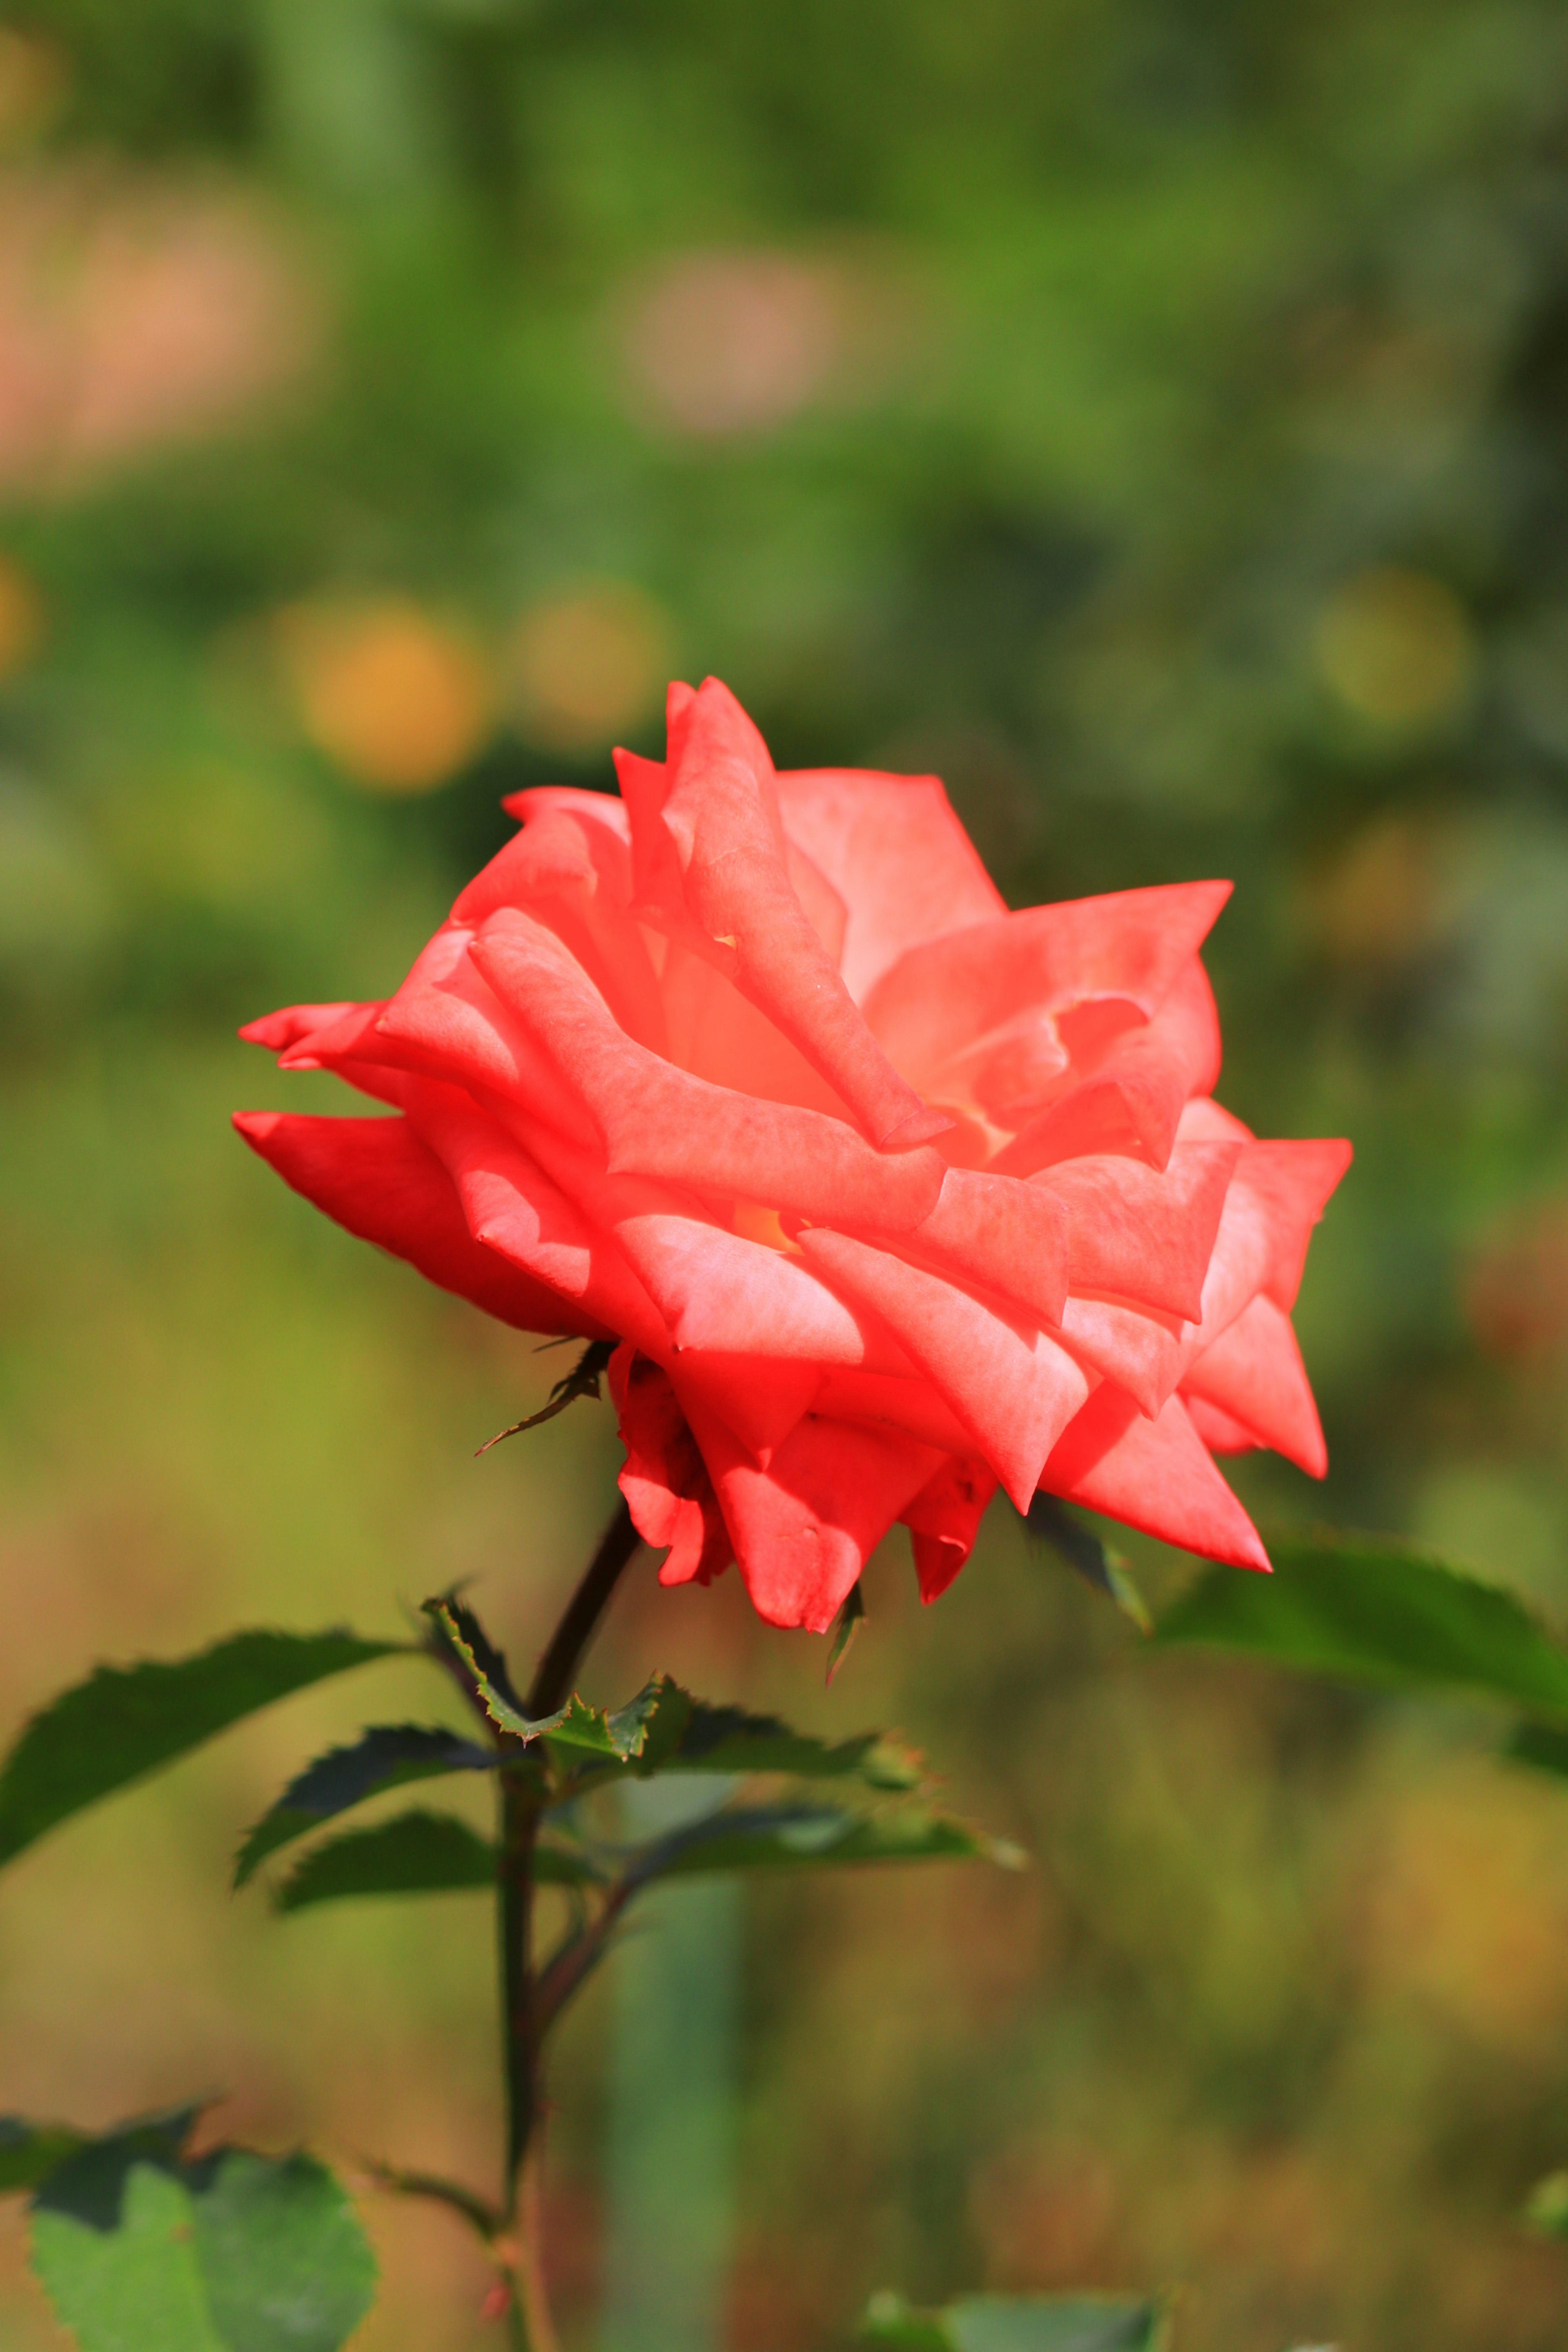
x=886, y=1194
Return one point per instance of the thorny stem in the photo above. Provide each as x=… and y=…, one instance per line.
x=521, y=1801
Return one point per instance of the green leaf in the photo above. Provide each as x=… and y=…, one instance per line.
x=587, y=1735
x=465, y=1639
x=995, y=2323
x=1355, y=1607
x=1546, y=2209
x=1540, y=1745
x=30, y=2152
x=282, y=2254
x=234, y=2252
x=800, y=1837
x=385, y=1756
x=1051, y=1522
x=419, y=1853
x=729, y=1739
x=131, y=2283
x=124, y=1722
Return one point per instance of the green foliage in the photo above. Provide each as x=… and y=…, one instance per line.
x=1371, y=1611
x=419, y=1853
x=803, y=1837
x=1050, y=1522
x=1540, y=1745
x=29, y=2152
x=995, y=2323
x=124, y=1722
x=137, y=2245
x=385, y=1756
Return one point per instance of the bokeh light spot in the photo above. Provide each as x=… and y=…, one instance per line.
x=584, y=663
x=732, y=343
x=397, y=699
x=1395, y=646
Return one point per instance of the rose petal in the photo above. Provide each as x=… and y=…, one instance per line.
x=1254, y=1375
x=944, y=1519
x=1219, y=1432
x=665, y=1479
x=1131, y=1102
x=720, y=812
x=940, y=998
x=512, y=1206
x=1153, y=1475
x=376, y=1178
x=805, y=1527
x=278, y=1031
x=1014, y=1390
x=1144, y=1234
x=1005, y=1235
x=659, y=1122
x=895, y=854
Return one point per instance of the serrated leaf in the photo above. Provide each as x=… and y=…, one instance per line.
x=282, y=2257
x=730, y=1740
x=236, y=2252
x=385, y=1756
x=1375, y=1612
x=802, y=1837
x=1051, y=1522
x=995, y=2323
x=125, y=1722
x=588, y=1734
x=419, y=1853
x=461, y=1633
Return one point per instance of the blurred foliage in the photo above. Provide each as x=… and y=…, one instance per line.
x=1152, y=417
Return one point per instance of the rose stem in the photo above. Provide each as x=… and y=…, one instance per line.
x=531, y=2326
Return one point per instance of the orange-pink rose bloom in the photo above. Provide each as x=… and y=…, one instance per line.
x=886, y=1194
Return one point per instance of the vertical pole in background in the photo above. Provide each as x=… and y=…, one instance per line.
x=672, y=2111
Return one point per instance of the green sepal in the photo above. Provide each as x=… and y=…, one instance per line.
x=805, y=1837
x=589, y=1736
x=999, y=2323
x=1368, y=1610
x=136, y=2244
x=385, y=1756
x=1051, y=1522
x=125, y=1722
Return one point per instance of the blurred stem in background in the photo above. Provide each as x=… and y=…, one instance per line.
x=670, y=2185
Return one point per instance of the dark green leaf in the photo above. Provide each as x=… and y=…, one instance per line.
x=281, y=2255
x=729, y=1739
x=995, y=2323
x=30, y=2152
x=385, y=1756
x=1540, y=1745
x=138, y=2248
x=1358, y=1608
x=1052, y=1523
x=798, y=1837
x=124, y=1722
x=418, y=1853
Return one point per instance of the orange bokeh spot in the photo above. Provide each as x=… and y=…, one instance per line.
x=586, y=664
x=397, y=700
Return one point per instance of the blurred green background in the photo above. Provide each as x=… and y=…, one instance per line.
x=1153, y=414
